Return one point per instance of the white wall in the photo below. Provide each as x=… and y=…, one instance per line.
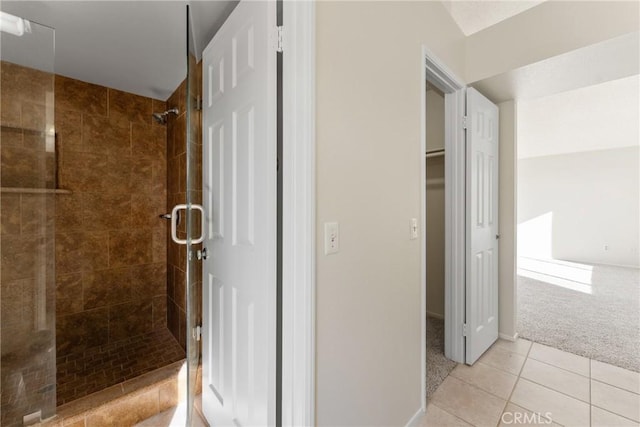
x=582, y=203
x=435, y=205
x=369, y=93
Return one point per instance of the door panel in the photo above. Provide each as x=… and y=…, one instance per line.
x=482, y=225
x=239, y=192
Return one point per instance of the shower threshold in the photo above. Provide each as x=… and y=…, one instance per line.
x=85, y=372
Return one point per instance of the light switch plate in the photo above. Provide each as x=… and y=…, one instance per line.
x=331, y=238
x=413, y=233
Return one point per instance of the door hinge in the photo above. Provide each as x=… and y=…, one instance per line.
x=464, y=329
x=197, y=333
x=279, y=39
x=464, y=122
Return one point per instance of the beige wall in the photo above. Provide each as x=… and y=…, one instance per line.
x=368, y=179
x=508, y=215
x=552, y=28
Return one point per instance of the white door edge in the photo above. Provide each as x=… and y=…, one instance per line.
x=299, y=222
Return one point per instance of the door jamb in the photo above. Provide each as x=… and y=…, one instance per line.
x=299, y=222
x=440, y=76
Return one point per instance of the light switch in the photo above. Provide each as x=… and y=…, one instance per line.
x=331, y=238
x=413, y=234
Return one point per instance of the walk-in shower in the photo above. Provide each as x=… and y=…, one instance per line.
x=93, y=291
x=162, y=117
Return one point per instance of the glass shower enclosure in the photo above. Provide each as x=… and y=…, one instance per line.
x=28, y=181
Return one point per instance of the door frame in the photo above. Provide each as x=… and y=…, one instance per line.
x=439, y=75
x=298, y=210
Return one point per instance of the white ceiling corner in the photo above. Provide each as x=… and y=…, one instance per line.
x=473, y=16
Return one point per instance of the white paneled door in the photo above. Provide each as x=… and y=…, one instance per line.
x=482, y=225
x=239, y=195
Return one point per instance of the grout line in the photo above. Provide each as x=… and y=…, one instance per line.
x=590, y=392
x=613, y=413
x=566, y=370
x=614, y=386
x=453, y=415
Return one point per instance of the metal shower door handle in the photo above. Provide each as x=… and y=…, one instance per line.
x=174, y=224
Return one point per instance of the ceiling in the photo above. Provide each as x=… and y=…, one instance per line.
x=591, y=65
x=598, y=117
x=134, y=46
x=476, y=15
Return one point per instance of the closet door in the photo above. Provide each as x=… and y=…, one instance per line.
x=482, y=225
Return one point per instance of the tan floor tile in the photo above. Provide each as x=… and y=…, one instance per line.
x=489, y=379
x=173, y=417
x=504, y=360
x=615, y=376
x=561, y=359
x=562, y=409
x=557, y=379
x=515, y=415
x=437, y=417
x=615, y=400
x=519, y=346
x=602, y=418
x=465, y=401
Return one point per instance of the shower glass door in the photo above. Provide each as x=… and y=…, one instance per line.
x=194, y=216
x=28, y=181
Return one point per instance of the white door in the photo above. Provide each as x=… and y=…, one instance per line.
x=239, y=195
x=482, y=225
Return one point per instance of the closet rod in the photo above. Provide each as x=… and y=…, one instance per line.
x=435, y=153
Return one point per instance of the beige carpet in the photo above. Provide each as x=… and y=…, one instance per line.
x=438, y=366
x=595, y=314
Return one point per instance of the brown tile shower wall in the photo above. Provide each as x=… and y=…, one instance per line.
x=27, y=364
x=176, y=194
x=110, y=242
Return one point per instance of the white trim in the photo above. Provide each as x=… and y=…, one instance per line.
x=453, y=88
x=511, y=338
x=298, y=239
x=416, y=420
x=455, y=226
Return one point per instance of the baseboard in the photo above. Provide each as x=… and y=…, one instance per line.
x=435, y=315
x=511, y=338
x=416, y=420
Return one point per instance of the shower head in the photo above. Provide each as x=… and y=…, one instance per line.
x=162, y=117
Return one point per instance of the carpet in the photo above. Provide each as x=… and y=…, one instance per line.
x=599, y=318
x=438, y=366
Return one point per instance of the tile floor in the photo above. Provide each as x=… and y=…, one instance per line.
x=82, y=373
x=524, y=384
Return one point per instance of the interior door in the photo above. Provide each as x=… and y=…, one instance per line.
x=239, y=194
x=482, y=225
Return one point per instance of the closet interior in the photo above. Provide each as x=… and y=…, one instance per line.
x=438, y=366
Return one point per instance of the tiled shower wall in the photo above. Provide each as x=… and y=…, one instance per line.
x=110, y=242
x=27, y=364
x=176, y=194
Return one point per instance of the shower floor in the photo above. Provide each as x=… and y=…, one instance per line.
x=82, y=373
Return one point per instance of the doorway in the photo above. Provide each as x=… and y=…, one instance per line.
x=438, y=365
x=469, y=171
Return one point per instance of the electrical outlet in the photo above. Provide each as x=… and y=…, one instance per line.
x=331, y=238
x=413, y=234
